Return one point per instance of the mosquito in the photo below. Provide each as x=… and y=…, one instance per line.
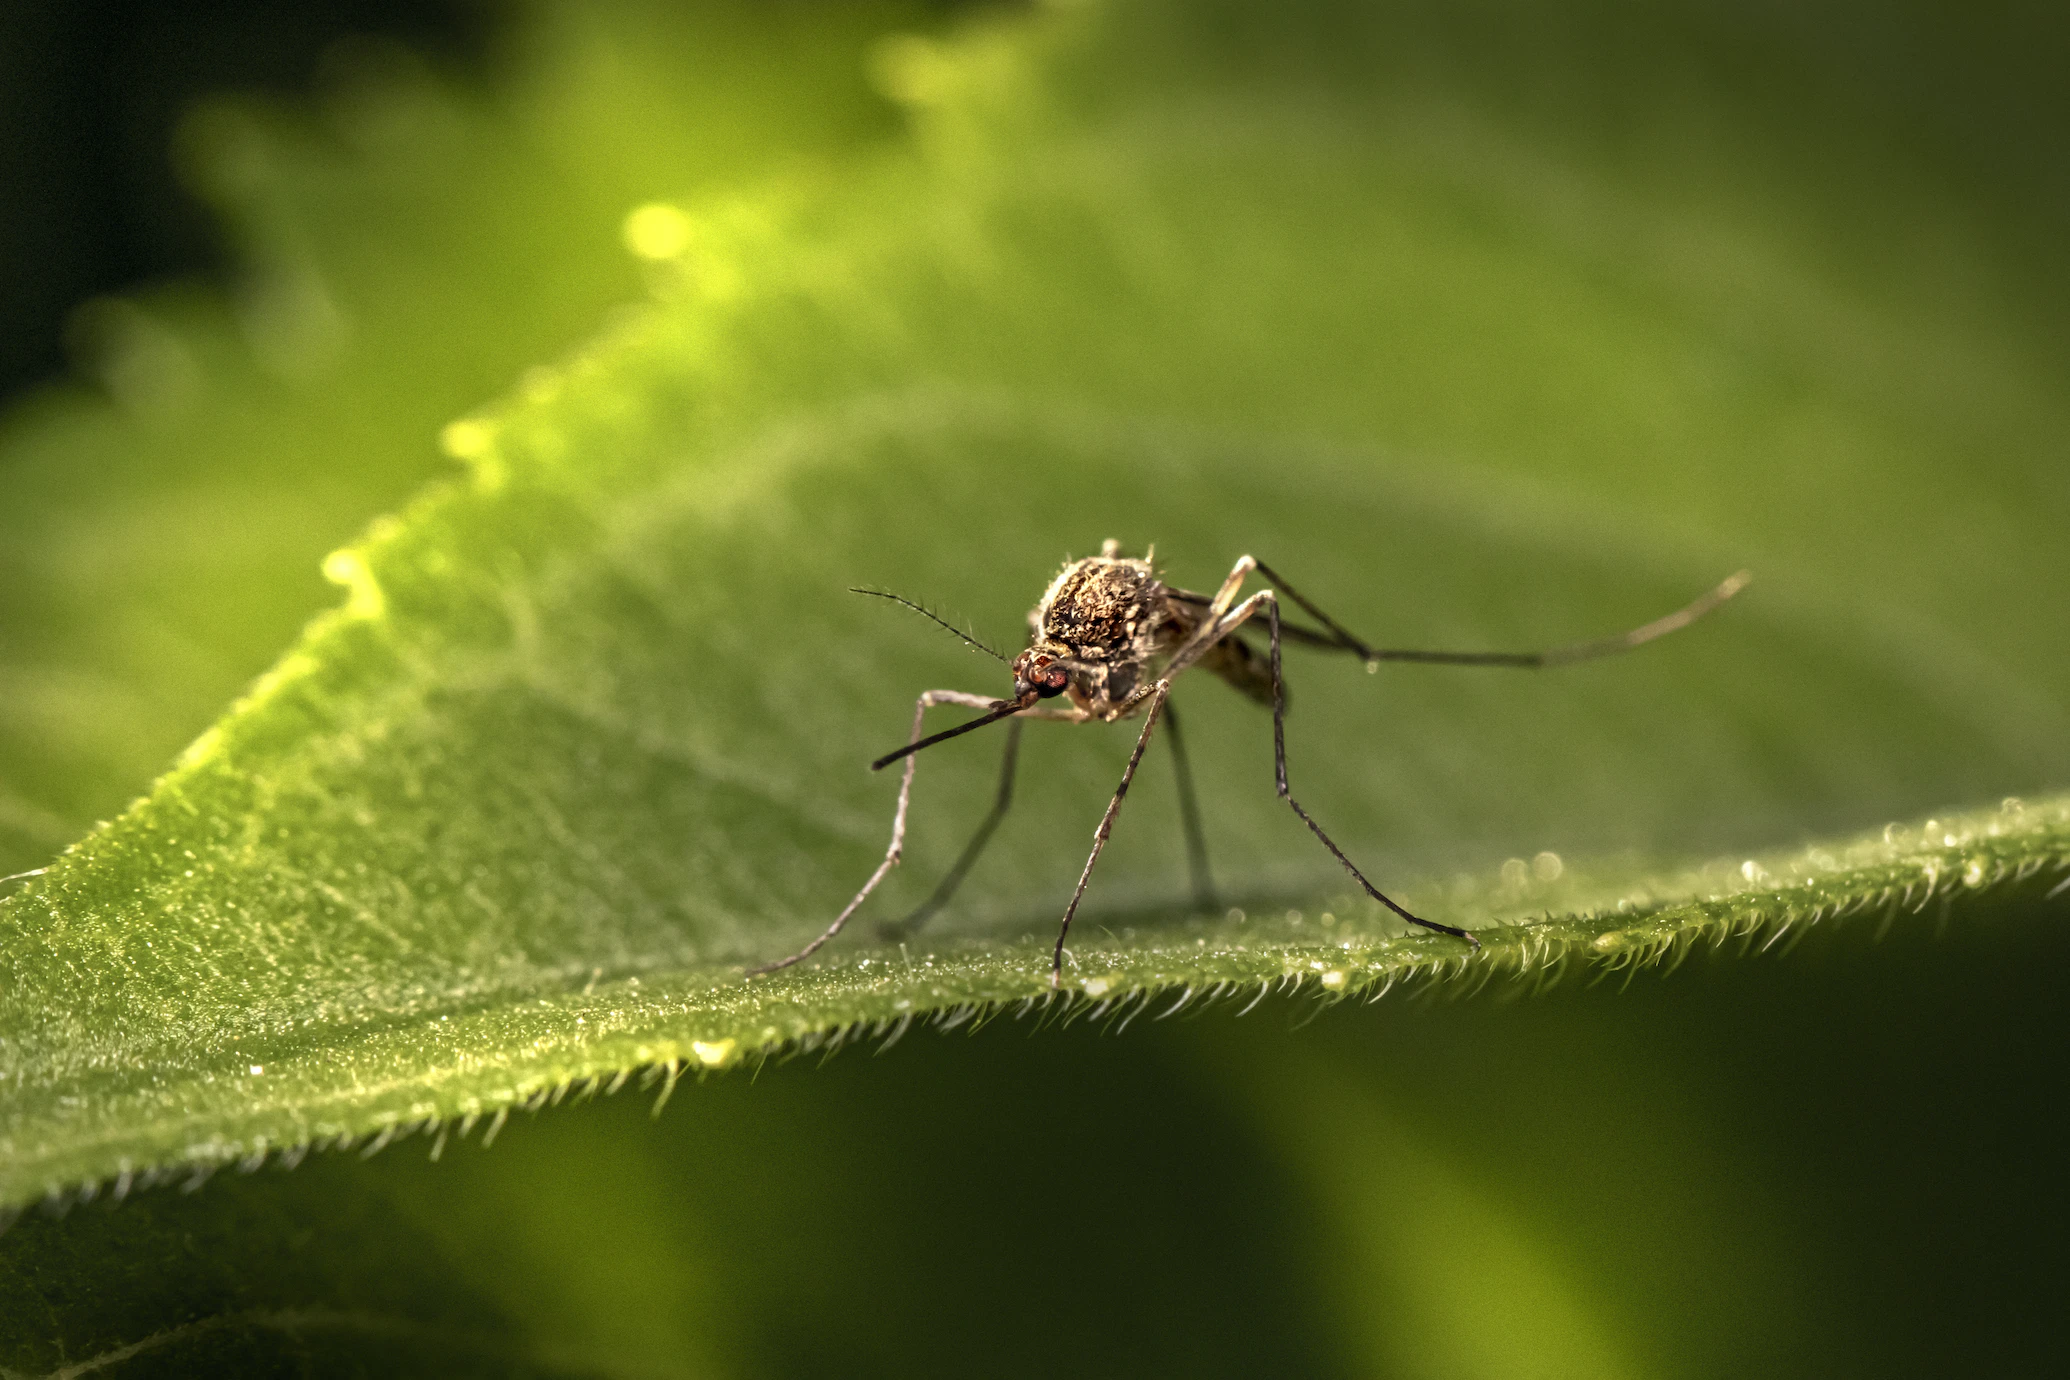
x=1109, y=637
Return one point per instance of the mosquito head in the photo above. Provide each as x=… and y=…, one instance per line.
x=1041, y=670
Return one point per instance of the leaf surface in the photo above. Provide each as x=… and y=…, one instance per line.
x=588, y=734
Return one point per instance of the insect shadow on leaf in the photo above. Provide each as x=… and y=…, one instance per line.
x=1109, y=638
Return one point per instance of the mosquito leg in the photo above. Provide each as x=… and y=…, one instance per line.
x=1189, y=816
x=1226, y=595
x=898, y=826
x=1339, y=636
x=899, y=929
x=1279, y=767
x=1211, y=630
x=1156, y=698
x=1229, y=623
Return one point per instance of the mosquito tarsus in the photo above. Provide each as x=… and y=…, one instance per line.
x=1108, y=639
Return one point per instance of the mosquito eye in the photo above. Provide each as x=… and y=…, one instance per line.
x=1050, y=682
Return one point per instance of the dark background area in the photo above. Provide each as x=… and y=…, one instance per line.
x=90, y=95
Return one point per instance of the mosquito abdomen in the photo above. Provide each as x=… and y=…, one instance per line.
x=1237, y=662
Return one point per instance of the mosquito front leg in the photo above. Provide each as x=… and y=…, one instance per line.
x=1229, y=623
x=927, y=701
x=1156, y=696
x=899, y=929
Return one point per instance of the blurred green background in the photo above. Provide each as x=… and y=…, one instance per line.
x=1837, y=1161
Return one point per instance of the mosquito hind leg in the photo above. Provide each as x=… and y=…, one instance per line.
x=1340, y=638
x=1265, y=599
x=899, y=929
x=927, y=700
x=1226, y=595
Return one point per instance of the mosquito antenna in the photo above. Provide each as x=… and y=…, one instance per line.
x=931, y=617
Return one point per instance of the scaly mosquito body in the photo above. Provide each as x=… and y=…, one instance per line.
x=1109, y=638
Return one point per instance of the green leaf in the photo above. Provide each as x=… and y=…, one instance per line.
x=408, y=249
x=588, y=734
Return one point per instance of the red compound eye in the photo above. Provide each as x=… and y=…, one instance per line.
x=1051, y=680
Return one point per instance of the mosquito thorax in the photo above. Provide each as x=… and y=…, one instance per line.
x=1107, y=617
x=1102, y=608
